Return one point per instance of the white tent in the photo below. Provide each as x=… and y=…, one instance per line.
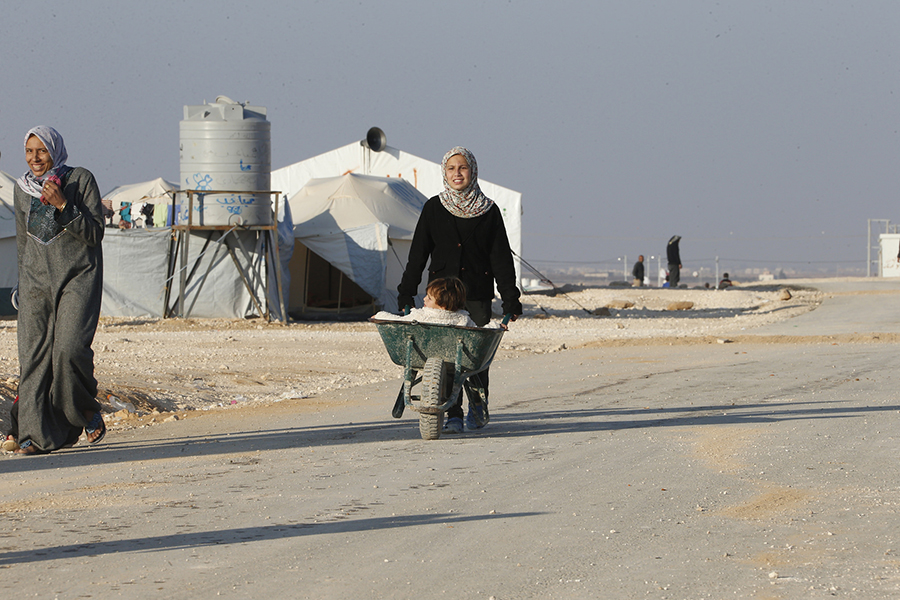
x=156, y=191
x=9, y=272
x=360, y=225
x=423, y=174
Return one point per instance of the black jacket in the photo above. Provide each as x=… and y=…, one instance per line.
x=476, y=250
x=638, y=270
x=673, y=254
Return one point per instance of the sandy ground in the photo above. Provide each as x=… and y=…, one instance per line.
x=170, y=369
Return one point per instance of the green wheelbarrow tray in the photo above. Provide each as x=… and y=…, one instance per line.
x=414, y=345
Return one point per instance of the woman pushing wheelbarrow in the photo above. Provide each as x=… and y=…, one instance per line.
x=461, y=231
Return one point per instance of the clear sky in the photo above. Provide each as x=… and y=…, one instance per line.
x=762, y=132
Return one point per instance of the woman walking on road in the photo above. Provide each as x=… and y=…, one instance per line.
x=461, y=230
x=59, y=227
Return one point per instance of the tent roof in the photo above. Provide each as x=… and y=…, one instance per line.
x=153, y=191
x=332, y=204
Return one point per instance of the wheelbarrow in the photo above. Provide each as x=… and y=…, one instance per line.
x=445, y=355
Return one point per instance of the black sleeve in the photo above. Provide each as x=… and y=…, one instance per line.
x=419, y=252
x=504, y=269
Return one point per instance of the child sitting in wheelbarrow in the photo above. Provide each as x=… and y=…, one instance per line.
x=444, y=301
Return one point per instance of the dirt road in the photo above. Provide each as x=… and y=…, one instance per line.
x=721, y=468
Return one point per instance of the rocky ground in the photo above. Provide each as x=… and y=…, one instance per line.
x=172, y=369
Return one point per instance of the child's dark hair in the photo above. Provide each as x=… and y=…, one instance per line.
x=448, y=292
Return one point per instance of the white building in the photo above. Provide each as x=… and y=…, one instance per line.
x=888, y=249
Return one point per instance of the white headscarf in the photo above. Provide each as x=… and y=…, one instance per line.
x=469, y=202
x=57, y=149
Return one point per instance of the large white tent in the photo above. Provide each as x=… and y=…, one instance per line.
x=423, y=174
x=9, y=272
x=362, y=226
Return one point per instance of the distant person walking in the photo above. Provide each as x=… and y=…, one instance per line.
x=59, y=227
x=638, y=272
x=673, y=256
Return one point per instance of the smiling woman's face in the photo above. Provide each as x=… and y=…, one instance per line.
x=459, y=175
x=37, y=156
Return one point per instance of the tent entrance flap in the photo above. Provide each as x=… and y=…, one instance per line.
x=340, y=270
x=348, y=221
x=326, y=292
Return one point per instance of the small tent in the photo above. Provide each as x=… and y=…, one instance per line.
x=136, y=263
x=157, y=192
x=354, y=233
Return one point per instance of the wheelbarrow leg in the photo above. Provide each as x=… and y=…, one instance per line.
x=400, y=404
x=404, y=397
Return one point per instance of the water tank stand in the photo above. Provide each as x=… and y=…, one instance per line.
x=252, y=276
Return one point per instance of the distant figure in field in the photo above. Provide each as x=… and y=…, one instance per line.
x=673, y=255
x=638, y=272
x=725, y=283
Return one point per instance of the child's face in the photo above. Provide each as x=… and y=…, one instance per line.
x=429, y=302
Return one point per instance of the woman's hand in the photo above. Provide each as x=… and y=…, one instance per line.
x=53, y=194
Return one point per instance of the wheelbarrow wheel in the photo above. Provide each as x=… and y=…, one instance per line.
x=434, y=379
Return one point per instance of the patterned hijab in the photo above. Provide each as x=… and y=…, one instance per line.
x=467, y=203
x=57, y=149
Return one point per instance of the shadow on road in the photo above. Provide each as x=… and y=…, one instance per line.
x=503, y=424
x=196, y=539
x=586, y=420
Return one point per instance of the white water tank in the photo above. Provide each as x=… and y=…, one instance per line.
x=226, y=146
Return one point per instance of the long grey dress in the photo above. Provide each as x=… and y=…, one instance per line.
x=60, y=285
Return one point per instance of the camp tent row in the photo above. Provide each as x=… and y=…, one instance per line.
x=351, y=211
